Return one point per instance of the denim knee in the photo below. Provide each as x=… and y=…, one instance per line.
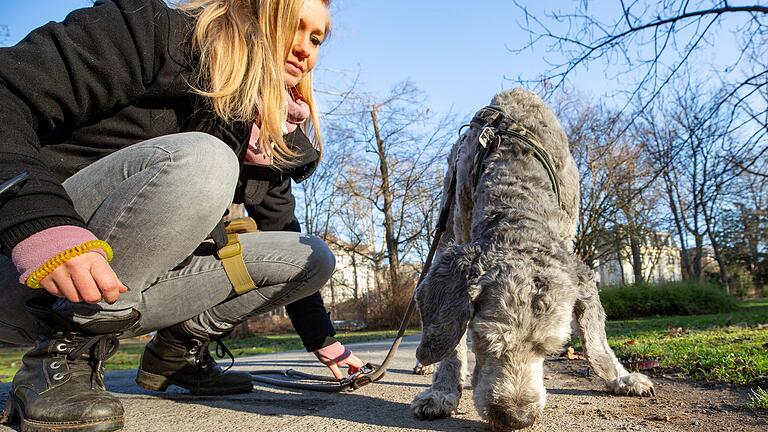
x=207, y=165
x=320, y=263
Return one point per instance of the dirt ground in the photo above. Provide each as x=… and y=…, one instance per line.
x=576, y=402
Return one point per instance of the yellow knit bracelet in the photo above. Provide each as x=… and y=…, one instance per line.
x=33, y=281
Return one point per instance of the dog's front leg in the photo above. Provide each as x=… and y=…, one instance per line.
x=420, y=369
x=442, y=398
x=590, y=316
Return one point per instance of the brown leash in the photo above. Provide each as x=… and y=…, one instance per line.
x=369, y=373
x=493, y=124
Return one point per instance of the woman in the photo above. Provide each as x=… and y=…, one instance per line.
x=137, y=124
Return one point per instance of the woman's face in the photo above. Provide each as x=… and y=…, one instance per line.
x=306, y=43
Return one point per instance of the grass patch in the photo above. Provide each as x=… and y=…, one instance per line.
x=127, y=357
x=678, y=298
x=730, y=347
x=759, y=399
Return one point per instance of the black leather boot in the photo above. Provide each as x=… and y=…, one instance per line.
x=60, y=386
x=179, y=355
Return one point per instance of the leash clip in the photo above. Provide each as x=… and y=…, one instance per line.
x=486, y=136
x=359, y=378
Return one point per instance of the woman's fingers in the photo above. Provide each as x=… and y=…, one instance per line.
x=108, y=283
x=51, y=287
x=61, y=279
x=354, y=363
x=336, y=355
x=336, y=371
x=87, y=277
x=85, y=284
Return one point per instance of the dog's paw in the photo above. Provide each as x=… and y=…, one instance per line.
x=420, y=369
x=434, y=404
x=634, y=384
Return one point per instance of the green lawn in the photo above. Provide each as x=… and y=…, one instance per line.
x=127, y=357
x=730, y=347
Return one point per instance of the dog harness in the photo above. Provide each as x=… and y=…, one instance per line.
x=496, y=125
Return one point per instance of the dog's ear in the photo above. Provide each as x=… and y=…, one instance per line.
x=445, y=303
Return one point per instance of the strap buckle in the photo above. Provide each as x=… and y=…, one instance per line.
x=241, y=225
x=231, y=256
x=232, y=248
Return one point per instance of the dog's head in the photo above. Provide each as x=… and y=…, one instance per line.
x=516, y=304
x=515, y=317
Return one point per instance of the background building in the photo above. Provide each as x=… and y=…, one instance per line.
x=660, y=258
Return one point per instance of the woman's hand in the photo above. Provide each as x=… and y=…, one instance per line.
x=336, y=355
x=85, y=278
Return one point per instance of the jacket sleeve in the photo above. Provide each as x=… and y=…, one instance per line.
x=62, y=76
x=309, y=317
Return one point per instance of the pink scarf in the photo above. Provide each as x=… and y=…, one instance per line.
x=298, y=113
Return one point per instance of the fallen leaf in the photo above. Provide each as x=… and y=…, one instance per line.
x=571, y=354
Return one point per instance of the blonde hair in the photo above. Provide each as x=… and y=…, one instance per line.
x=242, y=47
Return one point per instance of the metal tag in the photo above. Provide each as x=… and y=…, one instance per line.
x=486, y=136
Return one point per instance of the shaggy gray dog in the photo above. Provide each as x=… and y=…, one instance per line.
x=506, y=269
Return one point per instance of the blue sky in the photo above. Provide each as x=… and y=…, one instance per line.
x=457, y=54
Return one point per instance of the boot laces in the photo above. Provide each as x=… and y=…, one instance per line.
x=99, y=348
x=222, y=350
x=205, y=360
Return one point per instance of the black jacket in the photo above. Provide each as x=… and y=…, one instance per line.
x=108, y=77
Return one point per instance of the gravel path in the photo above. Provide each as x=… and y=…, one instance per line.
x=575, y=403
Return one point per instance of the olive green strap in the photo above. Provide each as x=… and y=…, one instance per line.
x=231, y=255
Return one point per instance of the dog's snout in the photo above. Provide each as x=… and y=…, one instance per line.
x=509, y=418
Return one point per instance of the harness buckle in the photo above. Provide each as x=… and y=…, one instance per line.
x=486, y=136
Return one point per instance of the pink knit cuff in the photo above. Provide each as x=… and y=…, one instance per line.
x=37, y=249
x=333, y=353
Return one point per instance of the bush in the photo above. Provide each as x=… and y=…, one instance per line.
x=263, y=324
x=680, y=298
x=386, y=308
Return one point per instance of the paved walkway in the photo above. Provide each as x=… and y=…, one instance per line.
x=379, y=407
x=576, y=403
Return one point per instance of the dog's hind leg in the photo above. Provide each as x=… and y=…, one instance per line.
x=442, y=398
x=590, y=316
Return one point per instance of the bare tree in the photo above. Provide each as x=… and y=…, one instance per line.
x=393, y=141
x=692, y=147
x=318, y=198
x=651, y=44
x=612, y=213
x=743, y=231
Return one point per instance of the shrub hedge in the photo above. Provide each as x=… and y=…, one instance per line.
x=672, y=298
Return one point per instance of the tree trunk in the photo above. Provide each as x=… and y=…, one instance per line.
x=356, y=287
x=698, y=272
x=716, y=248
x=386, y=192
x=637, y=258
x=685, y=259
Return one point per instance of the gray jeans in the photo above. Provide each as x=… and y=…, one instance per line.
x=155, y=203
